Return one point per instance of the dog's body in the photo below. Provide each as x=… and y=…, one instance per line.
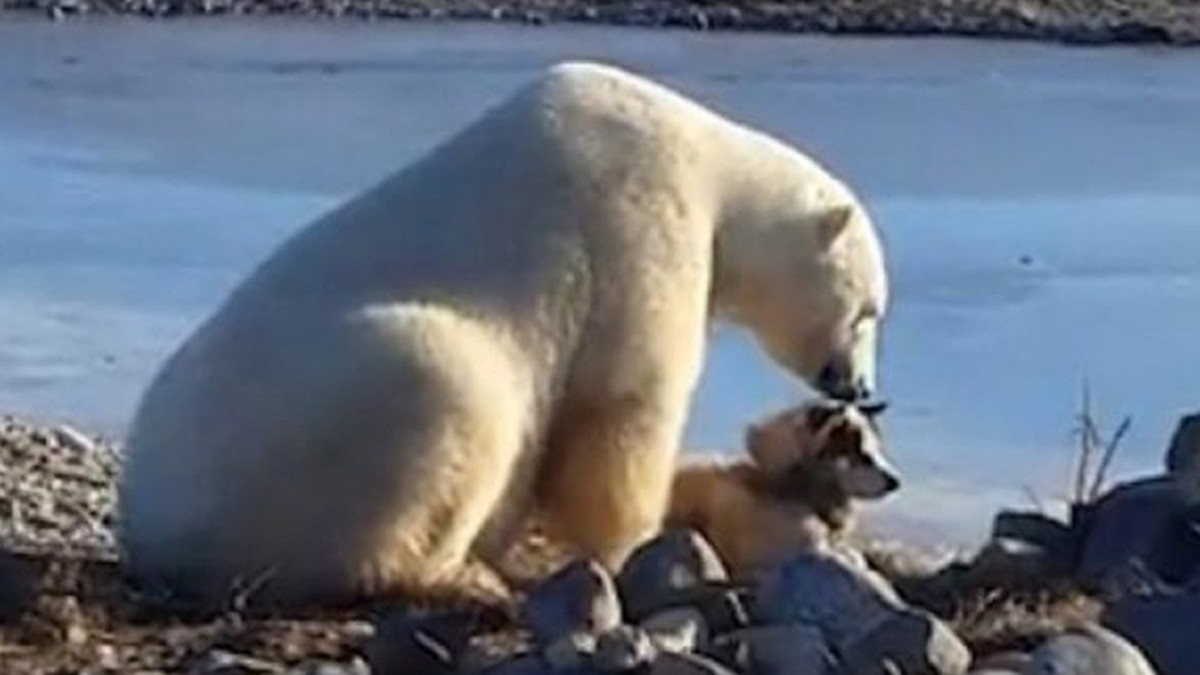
x=796, y=491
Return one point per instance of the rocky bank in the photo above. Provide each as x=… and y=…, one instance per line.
x=1175, y=22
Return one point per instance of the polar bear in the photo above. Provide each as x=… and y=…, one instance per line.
x=516, y=321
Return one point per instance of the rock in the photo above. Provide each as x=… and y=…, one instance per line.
x=1183, y=454
x=1057, y=538
x=18, y=580
x=724, y=611
x=659, y=569
x=686, y=664
x=622, y=649
x=1165, y=628
x=407, y=643
x=1089, y=650
x=573, y=650
x=69, y=437
x=221, y=662
x=1014, y=563
x=581, y=597
x=1004, y=662
x=521, y=665
x=845, y=602
x=723, y=605
x=911, y=641
x=682, y=629
x=354, y=667
x=1141, y=523
x=790, y=649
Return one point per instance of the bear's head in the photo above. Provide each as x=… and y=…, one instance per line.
x=812, y=289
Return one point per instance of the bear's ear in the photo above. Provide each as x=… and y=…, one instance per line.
x=833, y=222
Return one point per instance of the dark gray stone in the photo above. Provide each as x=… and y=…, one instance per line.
x=1058, y=542
x=911, y=642
x=1004, y=662
x=18, y=580
x=521, y=665
x=1142, y=523
x=686, y=664
x=786, y=649
x=410, y=643
x=1166, y=628
x=723, y=605
x=1035, y=528
x=573, y=650
x=1089, y=650
x=1183, y=454
x=843, y=600
x=580, y=597
x=1014, y=563
x=658, y=570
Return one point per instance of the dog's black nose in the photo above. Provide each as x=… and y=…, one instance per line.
x=890, y=483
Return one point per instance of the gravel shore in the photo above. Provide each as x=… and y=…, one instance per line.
x=1174, y=22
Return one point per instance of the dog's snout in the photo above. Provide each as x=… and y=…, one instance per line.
x=890, y=483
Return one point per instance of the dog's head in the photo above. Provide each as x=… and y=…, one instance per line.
x=825, y=443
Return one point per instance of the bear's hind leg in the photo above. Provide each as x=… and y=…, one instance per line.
x=448, y=407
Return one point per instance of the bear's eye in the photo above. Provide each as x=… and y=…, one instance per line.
x=867, y=313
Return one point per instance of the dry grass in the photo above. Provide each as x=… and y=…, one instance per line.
x=1095, y=453
x=997, y=621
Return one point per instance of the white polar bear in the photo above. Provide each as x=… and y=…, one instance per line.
x=517, y=320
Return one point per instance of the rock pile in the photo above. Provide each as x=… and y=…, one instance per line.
x=57, y=490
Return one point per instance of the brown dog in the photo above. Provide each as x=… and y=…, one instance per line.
x=795, y=492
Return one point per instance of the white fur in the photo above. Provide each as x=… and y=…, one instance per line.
x=516, y=319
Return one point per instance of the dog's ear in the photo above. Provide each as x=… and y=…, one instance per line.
x=772, y=444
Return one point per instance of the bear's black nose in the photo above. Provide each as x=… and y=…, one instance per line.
x=836, y=381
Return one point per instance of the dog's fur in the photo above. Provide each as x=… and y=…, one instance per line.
x=796, y=490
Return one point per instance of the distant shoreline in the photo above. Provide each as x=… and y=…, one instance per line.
x=1093, y=22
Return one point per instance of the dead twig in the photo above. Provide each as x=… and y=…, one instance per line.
x=1110, y=451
